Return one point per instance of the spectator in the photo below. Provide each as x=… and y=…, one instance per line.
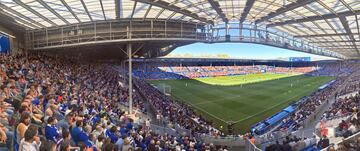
x=127, y=147
x=324, y=142
x=30, y=142
x=51, y=131
x=65, y=146
x=48, y=145
x=22, y=126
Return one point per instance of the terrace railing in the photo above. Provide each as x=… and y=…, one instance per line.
x=125, y=31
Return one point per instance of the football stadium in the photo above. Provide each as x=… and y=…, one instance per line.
x=179, y=75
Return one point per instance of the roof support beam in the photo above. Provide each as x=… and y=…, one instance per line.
x=34, y=12
x=117, y=9
x=172, y=15
x=86, y=10
x=357, y=25
x=314, y=18
x=286, y=8
x=342, y=48
x=248, y=6
x=333, y=41
x=22, y=16
x=147, y=12
x=102, y=9
x=345, y=23
x=170, y=7
x=345, y=46
x=158, y=15
x=20, y=20
x=193, y=4
x=320, y=35
x=53, y=11
x=133, y=10
x=215, y=5
x=70, y=10
x=356, y=15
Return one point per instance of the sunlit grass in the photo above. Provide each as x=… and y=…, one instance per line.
x=242, y=79
x=245, y=99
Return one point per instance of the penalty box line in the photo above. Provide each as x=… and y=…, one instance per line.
x=264, y=110
x=214, y=116
x=226, y=98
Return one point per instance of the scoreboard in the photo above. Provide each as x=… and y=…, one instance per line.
x=299, y=59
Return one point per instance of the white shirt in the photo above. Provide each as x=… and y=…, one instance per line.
x=26, y=146
x=147, y=123
x=352, y=128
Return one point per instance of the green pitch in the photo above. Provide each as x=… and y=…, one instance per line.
x=243, y=99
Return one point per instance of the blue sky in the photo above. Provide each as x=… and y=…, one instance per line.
x=241, y=50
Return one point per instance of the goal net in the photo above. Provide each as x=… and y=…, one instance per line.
x=165, y=89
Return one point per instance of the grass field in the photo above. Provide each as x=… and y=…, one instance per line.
x=243, y=99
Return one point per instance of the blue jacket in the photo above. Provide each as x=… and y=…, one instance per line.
x=52, y=133
x=112, y=136
x=75, y=134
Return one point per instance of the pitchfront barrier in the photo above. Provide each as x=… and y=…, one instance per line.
x=271, y=138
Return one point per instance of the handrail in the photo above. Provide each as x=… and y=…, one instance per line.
x=337, y=143
x=92, y=33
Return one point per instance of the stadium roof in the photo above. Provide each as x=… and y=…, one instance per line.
x=331, y=24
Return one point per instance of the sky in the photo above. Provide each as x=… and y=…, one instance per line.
x=241, y=51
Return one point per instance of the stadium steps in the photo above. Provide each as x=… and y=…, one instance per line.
x=326, y=106
x=171, y=69
x=187, y=68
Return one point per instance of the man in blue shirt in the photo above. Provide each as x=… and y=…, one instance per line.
x=51, y=131
x=112, y=134
x=76, y=131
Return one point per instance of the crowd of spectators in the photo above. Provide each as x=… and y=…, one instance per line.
x=352, y=86
x=50, y=104
x=346, y=145
x=53, y=104
x=347, y=82
x=335, y=68
x=292, y=143
x=174, y=71
x=307, y=107
x=176, y=114
x=343, y=107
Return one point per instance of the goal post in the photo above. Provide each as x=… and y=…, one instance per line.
x=165, y=89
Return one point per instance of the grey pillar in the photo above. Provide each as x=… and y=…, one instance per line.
x=129, y=52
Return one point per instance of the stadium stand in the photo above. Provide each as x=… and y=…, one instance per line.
x=69, y=105
x=288, y=120
x=155, y=71
x=340, y=120
x=58, y=103
x=64, y=84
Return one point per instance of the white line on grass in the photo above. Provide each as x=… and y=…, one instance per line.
x=265, y=109
x=236, y=101
x=214, y=116
x=226, y=98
